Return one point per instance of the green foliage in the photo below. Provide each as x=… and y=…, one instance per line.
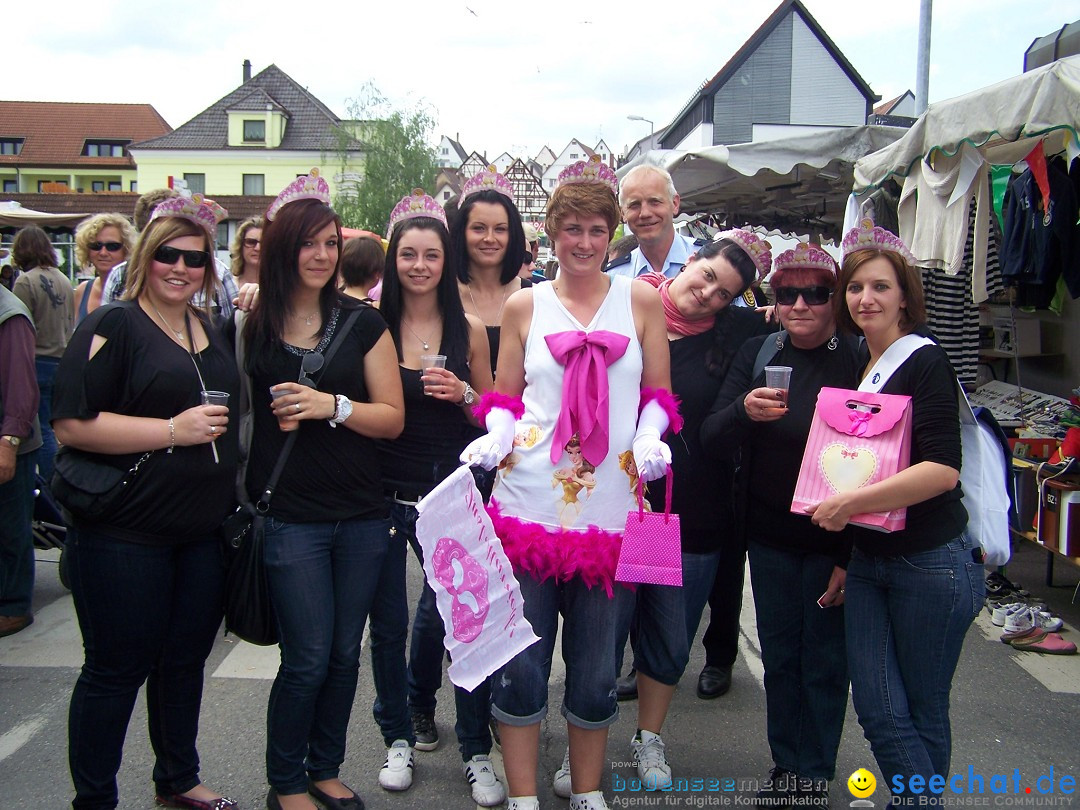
x=397, y=157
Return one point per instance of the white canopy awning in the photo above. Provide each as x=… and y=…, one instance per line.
x=997, y=119
x=14, y=215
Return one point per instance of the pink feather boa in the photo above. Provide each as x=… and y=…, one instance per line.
x=668, y=401
x=592, y=554
x=492, y=400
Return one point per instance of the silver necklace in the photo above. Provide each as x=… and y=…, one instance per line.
x=423, y=342
x=309, y=318
x=179, y=334
x=497, y=314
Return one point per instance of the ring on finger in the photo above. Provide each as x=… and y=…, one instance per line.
x=213, y=430
x=298, y=407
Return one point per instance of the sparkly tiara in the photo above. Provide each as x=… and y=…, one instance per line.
x=759, y=251
x=307, y=187
x=488, y=179
x=196, y=208
x=805, y=256
x=417, y=204
x=592, y=170
x=870, y=236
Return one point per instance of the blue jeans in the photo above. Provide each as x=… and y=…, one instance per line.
x=906, y=621
x=147, y=614
x=46, y=371
x=802, y=649
x=16, y=539
x=520, y=689
x=323, y=578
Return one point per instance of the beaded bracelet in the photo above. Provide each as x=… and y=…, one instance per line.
x=172, y=435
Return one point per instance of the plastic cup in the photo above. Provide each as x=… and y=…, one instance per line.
x=432, y=361
x=778, y=377
x=215, y=398
x=286, y=426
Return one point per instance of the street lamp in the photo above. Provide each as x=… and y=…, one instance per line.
x=646, y=120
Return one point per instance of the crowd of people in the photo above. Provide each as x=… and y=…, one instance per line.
x=639, y=362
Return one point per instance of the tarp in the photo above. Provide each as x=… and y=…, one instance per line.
x=798, y=184
x=997, y=119
x=13, y=214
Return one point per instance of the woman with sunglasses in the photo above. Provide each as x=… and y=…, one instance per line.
x=103, y=241
x=328, y=528
x=245, y=250
x=796, y=568
x=147, y=579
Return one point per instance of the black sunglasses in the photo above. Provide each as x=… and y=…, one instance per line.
x=112, y=247
x=311, y=363
x=813, y=296
x=250, y=242
x=171, y=255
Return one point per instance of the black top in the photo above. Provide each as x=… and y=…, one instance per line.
x=333, y=473
x=436, y=431
x=141, y=371
x=771, y=452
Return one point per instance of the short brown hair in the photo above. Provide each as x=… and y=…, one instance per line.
x=909, y=278
x=588, y=199
x=145, y=205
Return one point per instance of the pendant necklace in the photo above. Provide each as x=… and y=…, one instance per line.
x=309, y=318
x=497, y=314
x=177, y=333
x=423, y=342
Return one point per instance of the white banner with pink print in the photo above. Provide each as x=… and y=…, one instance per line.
x=475, y=589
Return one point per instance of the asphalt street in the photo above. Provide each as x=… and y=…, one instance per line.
x=1011, y=711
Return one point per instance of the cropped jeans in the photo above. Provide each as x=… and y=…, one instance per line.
x=323, y=578
x=906, y=621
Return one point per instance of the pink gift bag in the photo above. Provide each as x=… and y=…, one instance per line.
x=651, y=551
x=856, y=438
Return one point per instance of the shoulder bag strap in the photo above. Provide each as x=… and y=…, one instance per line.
x=769, y=349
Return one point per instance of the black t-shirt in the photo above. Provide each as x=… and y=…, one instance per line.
x=141, y=371
x=333, y=473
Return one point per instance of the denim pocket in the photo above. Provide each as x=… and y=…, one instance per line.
x=273, y=524
x=937, y=561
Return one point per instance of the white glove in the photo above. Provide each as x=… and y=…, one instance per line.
x=491, y=448
x=651, y=455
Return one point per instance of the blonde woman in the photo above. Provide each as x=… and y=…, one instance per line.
x=101, y=242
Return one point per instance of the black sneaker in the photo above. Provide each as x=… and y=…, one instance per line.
x=778, y=790
x=427, y=733
x=812, y=794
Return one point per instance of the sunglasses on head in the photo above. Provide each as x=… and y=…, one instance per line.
x=250, y=242
x=171, y=255
x=112, y=247
x=311, y=363
x=813, y=296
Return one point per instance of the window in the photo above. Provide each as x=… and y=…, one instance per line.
x=445, y=195
x=222, y=238
x=573, y=155
x=133, y=186
x=445, y=151
x=97, y=185
x=116, y=185
x=196, y=183
x=255, y=131
x=105, y=148
x=10, y=146
x=11, y=186
x=254, y=183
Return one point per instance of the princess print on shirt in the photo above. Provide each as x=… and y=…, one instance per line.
x=576, y=478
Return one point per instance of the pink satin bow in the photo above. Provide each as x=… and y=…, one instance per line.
x=860, y=421
x=586, y=357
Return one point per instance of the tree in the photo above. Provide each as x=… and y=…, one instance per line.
x=397, y=157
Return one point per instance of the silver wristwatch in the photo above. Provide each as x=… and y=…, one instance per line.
x=342, y=410
x=469, y=397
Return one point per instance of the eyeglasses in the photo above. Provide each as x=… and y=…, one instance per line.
x=813, y=296
x=112, y=247
x=251, y=243
x=311, y=363
x=171, y=255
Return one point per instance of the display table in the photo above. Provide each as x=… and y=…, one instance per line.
x=1024, y=479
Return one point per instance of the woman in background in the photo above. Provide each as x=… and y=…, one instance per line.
x=362, y=262
x=245, y=251
x=103, y=241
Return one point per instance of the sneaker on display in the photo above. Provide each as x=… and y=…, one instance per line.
x=561, y=783
x=425, y=730
x=1018, y=619
x=1046, y=620
x=487, y=790
x=647, y=750
x=397, y=773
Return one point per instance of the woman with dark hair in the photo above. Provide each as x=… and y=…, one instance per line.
x=362, y=261
x=245, y=251
x=913, y=593
x=102, y=241
x=47, y=293
x=423, y=311
x=147, y=579
x=796, y=568
x=488, y=245
x=327, y=530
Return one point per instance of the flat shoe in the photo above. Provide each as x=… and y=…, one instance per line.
x=713, y=682
x=353, y=802
x=178, y=800
x=1050, y=643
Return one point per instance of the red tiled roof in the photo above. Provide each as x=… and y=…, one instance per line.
x=239, y=206
x=54, y=133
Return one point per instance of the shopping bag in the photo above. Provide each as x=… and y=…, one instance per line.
x=857, y=438
x=476, y=592
x=651, y=551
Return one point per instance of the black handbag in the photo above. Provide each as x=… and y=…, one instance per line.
x=88, y=488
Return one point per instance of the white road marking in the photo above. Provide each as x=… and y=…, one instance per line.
x=19, y=736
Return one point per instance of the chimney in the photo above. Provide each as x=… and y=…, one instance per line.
x=247, y=70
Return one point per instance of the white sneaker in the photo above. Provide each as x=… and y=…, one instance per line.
x=397, y=773
x=593, y=800
x=648, y=753
x=487, y=790
x=1018, y=620
x=1001, y=612
x=1047, y=621
x=523, y=803
x=561, y=783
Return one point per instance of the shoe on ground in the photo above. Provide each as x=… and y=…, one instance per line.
x=397, y=773
x=523, y=803
x=1047, y=621
x=10, y=625
x=593, y=800
x=487, y=790
x=778, y=790
x=1043, y=642
x=647, y=750
x=626, y=686
x=1018, y=619
x=713, y=682
x=180, y=800
x=353, y=802
x=811, y=793
x=560, y=785
x=425, y=731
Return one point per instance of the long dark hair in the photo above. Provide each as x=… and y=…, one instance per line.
x=721, y=353
x=279, y=275
x=455, y=338
x=515, y=247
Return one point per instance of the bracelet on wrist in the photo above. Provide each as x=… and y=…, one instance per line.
x=172, y=434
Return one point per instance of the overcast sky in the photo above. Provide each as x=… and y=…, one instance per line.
x=500, y=75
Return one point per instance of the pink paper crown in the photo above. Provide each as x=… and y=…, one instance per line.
x=417, y=204
x=196, y=208
x=488, y=179
x=759, y=251
x=593, y=170
x=308, y=187
x=870, y=236
x=805, y=256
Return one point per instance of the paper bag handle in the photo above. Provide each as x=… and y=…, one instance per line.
x=667, y=498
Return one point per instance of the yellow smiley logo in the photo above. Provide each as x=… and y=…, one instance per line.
x=861, y=783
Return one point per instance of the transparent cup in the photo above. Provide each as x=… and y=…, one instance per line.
x=215, y=398
x=286, y=426
x=779, y=377
x=431, y=361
